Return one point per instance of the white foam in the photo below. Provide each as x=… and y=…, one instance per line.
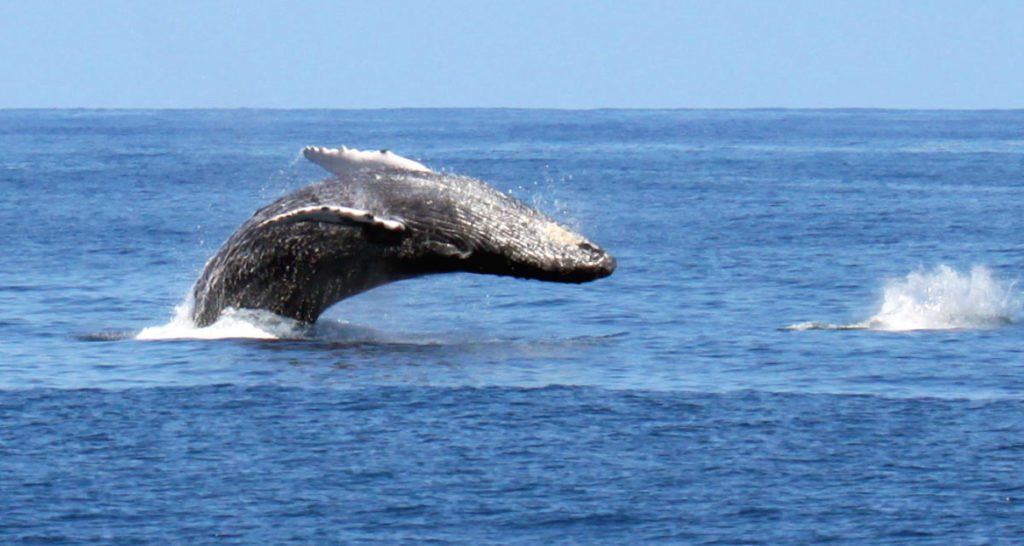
x=232, y=324
x=945, y=299
x=940, y=299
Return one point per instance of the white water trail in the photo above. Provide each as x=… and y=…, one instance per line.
x=940, y=299
x=232, y=324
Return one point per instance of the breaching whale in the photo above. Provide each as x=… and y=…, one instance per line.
x=381, y=218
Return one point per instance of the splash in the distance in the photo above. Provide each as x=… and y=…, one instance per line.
x=940, y=299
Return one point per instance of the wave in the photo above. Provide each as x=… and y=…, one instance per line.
x=940, y=299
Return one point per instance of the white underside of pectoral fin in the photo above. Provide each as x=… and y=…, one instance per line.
x=344, y=161
x=334, y=214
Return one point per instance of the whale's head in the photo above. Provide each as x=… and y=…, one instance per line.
x=461, y=224
x=442, y=222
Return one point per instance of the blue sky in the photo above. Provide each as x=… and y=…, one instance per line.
x=524, y=53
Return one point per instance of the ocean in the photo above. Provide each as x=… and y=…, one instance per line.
x=813, y=336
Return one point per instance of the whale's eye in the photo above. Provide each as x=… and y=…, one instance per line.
x=385, y=151
x=591, y=249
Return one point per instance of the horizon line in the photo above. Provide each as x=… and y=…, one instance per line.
x=525, y=108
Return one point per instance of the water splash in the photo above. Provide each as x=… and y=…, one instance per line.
x=232, y=324
x=944, y=299
x=264, y=325
x=940, y=299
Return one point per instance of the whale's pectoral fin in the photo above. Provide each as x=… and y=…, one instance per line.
x=344, y=161
x=334, y=214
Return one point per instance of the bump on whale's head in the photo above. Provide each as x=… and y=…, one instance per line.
x=457, y=223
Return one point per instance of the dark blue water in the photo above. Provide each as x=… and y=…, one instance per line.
x=813, y=336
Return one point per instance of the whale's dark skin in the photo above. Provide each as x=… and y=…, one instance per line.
x=295, y=260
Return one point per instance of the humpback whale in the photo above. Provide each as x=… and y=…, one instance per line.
x=381, y=218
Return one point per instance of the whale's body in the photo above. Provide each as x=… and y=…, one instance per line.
x=383, y=218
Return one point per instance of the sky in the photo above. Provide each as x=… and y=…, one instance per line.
x=934, y=54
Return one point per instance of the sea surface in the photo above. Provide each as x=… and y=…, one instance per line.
x=814, y=336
